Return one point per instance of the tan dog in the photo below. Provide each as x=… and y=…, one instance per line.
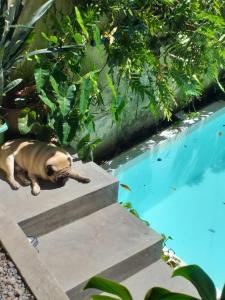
x=32, y=160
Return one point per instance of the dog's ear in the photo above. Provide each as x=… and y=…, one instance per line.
x=49, y=170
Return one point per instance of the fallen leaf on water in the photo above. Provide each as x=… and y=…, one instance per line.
x=220, y=133
x=126, y=187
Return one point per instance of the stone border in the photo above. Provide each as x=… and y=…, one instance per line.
x=41, y=283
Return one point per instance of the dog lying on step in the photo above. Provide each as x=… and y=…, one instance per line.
x=28, y=160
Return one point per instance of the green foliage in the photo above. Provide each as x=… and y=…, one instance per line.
x=160, y=49
x=65, y=91
x=13, y=38
x=109, y=286
x=133, y=211
x=192, y=273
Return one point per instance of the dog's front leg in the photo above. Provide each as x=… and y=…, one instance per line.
x=9, y=169
x=78, y=177
x=35, y=187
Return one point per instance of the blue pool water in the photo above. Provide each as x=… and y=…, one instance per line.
x=179, y=188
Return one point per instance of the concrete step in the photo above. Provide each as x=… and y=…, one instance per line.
x=110, y=242
x=53, y=207
x=157, y=274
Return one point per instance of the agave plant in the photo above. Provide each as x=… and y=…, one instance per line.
x=13, y=37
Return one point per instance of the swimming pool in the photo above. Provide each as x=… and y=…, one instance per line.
x=179, y=187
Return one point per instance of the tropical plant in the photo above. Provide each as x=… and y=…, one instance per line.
x=14, y=38
x=193, y=273
x=164, y=51
x=66, y=93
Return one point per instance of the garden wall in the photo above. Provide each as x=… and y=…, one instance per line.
x=135, y=117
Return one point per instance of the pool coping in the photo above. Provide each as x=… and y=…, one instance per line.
x=164, y=136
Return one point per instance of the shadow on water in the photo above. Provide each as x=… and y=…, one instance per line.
x=182, y=161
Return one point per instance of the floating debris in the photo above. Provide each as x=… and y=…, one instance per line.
x=126, y=187
x=211, y=230
x=173, y=188
x=185, y=146
x=220, y=133
x=159, y=159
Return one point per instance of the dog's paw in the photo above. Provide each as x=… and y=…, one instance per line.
x=85, y=180
x=35, y=191
x=14, y=185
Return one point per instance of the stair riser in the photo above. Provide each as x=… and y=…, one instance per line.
x=70, y=211
x=121, y=271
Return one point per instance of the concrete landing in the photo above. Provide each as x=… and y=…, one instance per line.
x=55, y=207
x=110, y=242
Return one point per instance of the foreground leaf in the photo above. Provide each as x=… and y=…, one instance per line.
x=158, y=293
x=223, y=293
x=199, y=279
x=109, y=286
x=100, y=297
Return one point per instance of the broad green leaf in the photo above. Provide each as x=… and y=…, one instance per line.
x=47, y=101
x=64, y=105
x=54, y=85
x=97, y=35
x=199, y=279
x=70, y=94
x=109, y=286
x=100, y=297
x=177, y=296
x=81, y=23
x=223, y=293
x=41, y=76
x=85, y=94
x=78, y=38
x=158, y=293
x=12, y=85
x=66, y=132
x=83, y=141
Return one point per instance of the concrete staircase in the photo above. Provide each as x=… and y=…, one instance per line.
x=83, y=232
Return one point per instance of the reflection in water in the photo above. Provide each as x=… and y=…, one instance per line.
x=182, y=194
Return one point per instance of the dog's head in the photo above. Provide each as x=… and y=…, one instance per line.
x=57, y=168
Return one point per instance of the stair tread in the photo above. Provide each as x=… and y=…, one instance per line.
x=87, y=247
x=50, y=198
x=157, y=274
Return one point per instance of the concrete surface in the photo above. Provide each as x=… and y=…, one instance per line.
x=110, y=242
x=41, y=283
x=55, y=207
x=157, y=275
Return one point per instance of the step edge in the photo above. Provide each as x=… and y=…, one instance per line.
x=152, y=252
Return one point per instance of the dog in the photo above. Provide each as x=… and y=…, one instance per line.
x=28, y=160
